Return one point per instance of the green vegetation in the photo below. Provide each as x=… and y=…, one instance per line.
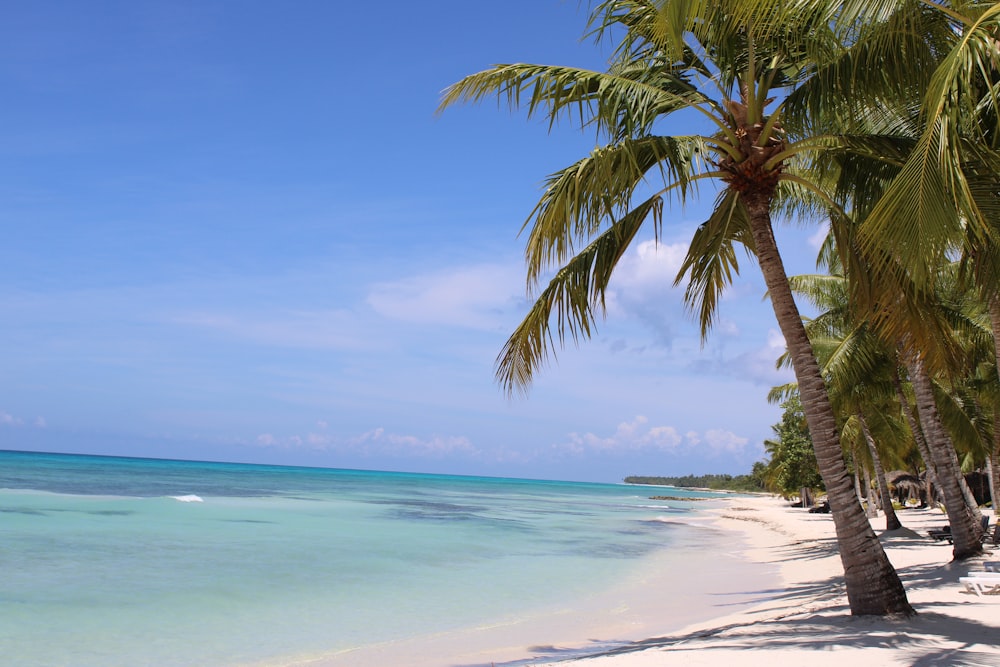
x=790, y=466
x=792, y=462
x=878, y=119
x=746, y=483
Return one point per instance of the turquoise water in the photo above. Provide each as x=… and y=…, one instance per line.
x=115, y=561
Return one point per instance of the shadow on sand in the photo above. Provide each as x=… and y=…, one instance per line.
x=791, y=623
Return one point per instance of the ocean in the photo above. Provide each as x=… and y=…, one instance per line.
x=108, y=561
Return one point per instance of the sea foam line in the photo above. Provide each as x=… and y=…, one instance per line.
x=189, y=498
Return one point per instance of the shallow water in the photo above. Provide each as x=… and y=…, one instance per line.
x=113, y=561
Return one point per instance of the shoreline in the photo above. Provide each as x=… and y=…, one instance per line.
x=666, y=591
x=765, y=588
x=806, y=619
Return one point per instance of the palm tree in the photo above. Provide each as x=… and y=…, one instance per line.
x=698, y=58
x=858, y=368
x=934, y=188
x=943, y=199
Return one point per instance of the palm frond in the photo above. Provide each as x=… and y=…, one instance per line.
x=711, y=261
x=616, y=103
x=580, y=199
x=572, y=297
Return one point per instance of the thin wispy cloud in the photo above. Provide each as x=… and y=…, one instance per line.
x=473, y=297
x=322, y=329
x=277, y=299
x=7, y=419
x=375, y=443
x=638, y=434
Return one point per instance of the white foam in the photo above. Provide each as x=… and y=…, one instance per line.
x=189, y=499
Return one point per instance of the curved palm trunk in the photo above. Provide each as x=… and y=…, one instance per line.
x=891, y=520
x=970, y=497
x=857, y=476
x=994, y=309
x=993, y=471
x=965, y=530
x=993, y=464
x=871, y=511
x=918, y=437
x=873, y=587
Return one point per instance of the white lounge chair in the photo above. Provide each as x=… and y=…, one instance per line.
x=981, y=585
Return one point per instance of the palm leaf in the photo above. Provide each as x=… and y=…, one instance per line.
x=618, y=101
x=578, y=200
x=571, y=298
x=711, y=262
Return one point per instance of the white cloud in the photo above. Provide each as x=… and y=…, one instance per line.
x=636, y=435
x=650, y=268
x=376, y=442
x=628, y=436
x=10, y=420
x=817, y=238
x=721, y=442
x=756, y=365
x=642, y=287
x=315, y=329
x=474, y=297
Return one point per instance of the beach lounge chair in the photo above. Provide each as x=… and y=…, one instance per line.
x=980, y=584
x=944, y=533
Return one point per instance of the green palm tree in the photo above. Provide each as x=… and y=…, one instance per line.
x=858, y=369
x=677, y=57
x=924, y=185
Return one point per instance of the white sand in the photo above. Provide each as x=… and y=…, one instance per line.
x=805, y=620
x=783, y=579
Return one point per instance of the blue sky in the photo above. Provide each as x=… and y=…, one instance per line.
x=235, y=232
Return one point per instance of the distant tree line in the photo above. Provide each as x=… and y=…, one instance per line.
x=714, y=482
x=790, y=465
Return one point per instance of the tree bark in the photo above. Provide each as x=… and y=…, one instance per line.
x=992, y=471
x=994, y=308
x=965, y=529
x=857, y=484
x=918, y=437
x=857, y=474
x=871, y=509
x=873, y=587
x=970, y=497
x=891, y=520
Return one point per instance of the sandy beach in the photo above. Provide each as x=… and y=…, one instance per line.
x=805, y=620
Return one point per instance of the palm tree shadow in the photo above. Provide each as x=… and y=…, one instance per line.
x=788, y=627
x=921, y=636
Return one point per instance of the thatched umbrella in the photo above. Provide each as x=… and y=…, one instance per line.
x=906, y=486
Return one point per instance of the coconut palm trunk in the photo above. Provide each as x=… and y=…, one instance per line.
x=970, y=497
x=873, y=587
x=933, y=474
x=921, y=442
x=708, y=52
x=871, y=506
x=965, y=529
x=992, y=471
x=891, y=520
x=994, y=458
x=857, y=476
